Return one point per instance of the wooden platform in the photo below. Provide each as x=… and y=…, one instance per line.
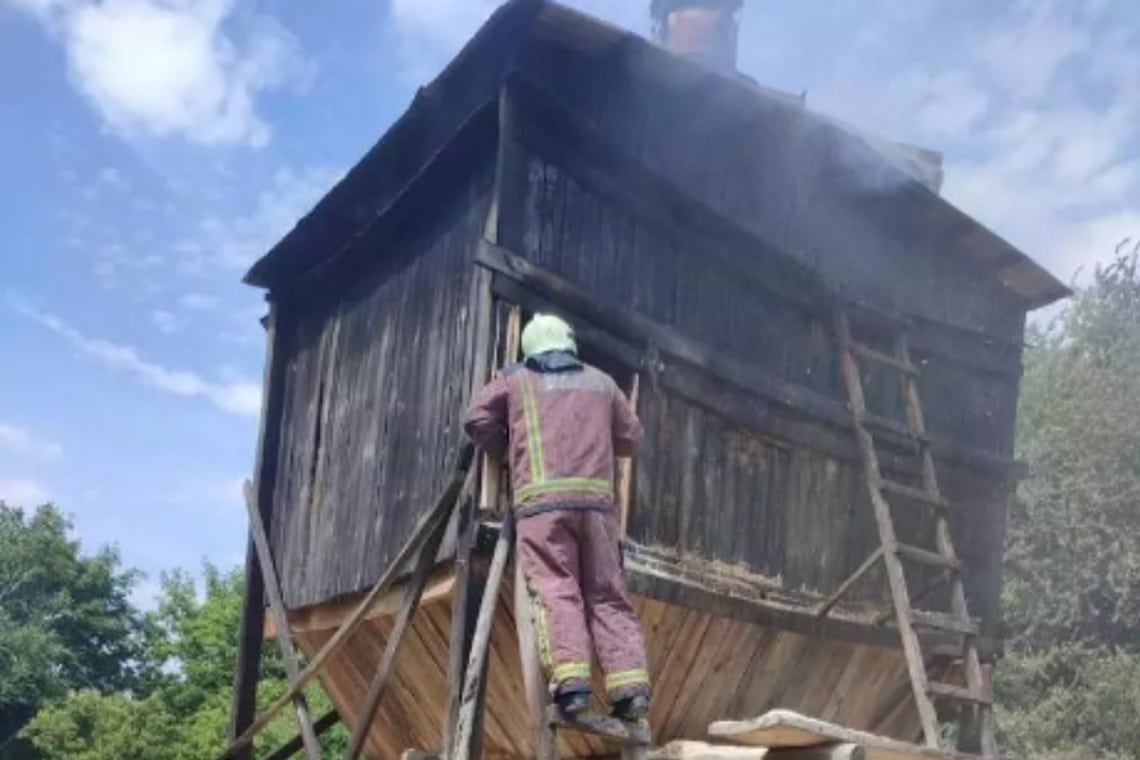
x=784, y=729
x=704, y=668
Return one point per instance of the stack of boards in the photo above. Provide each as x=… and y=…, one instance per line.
x=785, y=735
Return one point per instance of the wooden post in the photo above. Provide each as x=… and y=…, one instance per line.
x=625, y=468
x=281, y=620
x=472, y=702
x=420, y=533
x=471, y=580
x=252, y=626
x=379, y=684
x=534, y=680
x=251, y=631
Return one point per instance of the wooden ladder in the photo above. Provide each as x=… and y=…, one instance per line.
x=632, y=737
x=973, y=700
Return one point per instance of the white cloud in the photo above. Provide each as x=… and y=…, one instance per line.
x=441, y=22
x=22, y=442
x=1034, y=104
x=198, y=302
x=947, y=103
x=235, y=397
x=173, y=67
x=430, y=32
x=1096, y=238
x=1026, y=52
x=228, y=492
x=233, y=243
x=22, y=492
x=111, y=177
x=164, y=320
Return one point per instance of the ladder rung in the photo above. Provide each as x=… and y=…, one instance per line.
x=916, y=494
x=956, y=693
x=927, y=557
x=889, y=425
x=940, y=621
x=866, y=352
x=622, y=732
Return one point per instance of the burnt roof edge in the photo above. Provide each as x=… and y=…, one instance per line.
x=515, y=22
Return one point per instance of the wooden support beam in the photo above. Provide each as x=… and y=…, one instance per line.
x=625, y=468
x=472, y=702
x=420, y=533
x=756, y=604
x=852, y=579
x=534, y=680
x=247, y=667
x=379, y=684
x=471, y=568
x=281, y=621
x=629, y=325
x=294, y=745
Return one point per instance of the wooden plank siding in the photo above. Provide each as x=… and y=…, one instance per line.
x=713, y=488
x=817, y=192
x=704, y=668
x=379, y=370
x=620, y=260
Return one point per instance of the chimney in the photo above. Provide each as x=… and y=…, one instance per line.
x=704, y=30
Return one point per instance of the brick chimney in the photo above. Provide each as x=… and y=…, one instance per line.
x=705, y=30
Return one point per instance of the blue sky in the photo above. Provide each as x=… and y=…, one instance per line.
x=152, y=149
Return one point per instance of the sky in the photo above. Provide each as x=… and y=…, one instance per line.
x=150, y=150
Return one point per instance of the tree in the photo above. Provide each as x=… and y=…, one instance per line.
x=88, y=725
x=190, y=649
x=1072, y=572
x=66, y=621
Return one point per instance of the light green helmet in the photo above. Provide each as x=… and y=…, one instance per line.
x=546, y=332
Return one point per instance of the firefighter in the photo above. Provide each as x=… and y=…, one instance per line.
x=560, y=423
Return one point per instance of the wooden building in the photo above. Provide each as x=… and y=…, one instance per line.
x=700, y=232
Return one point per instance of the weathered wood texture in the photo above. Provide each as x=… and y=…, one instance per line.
x=705, y=668
x=818, y=192
x=726, y=491
x=596, y=244
x=786, y=729
x=695, y=750
x=379, y=370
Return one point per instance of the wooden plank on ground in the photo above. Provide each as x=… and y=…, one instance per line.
x=692, y=750
x=784, y=729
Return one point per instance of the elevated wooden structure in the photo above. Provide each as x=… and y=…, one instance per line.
x=700, y=231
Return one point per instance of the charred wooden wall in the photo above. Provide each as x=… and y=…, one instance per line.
x=379, y=366
x=736, y=492
x=818, y=192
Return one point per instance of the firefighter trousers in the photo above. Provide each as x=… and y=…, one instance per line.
x=571, y=560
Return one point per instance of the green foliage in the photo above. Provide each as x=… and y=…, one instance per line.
x=1070, y=701
x=187, y=668
x=1071, y=683
x=66, y=621
x=88, y=725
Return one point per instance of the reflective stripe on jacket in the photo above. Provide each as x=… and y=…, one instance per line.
x=560, y=423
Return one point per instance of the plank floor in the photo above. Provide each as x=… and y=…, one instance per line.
x=705, y=668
